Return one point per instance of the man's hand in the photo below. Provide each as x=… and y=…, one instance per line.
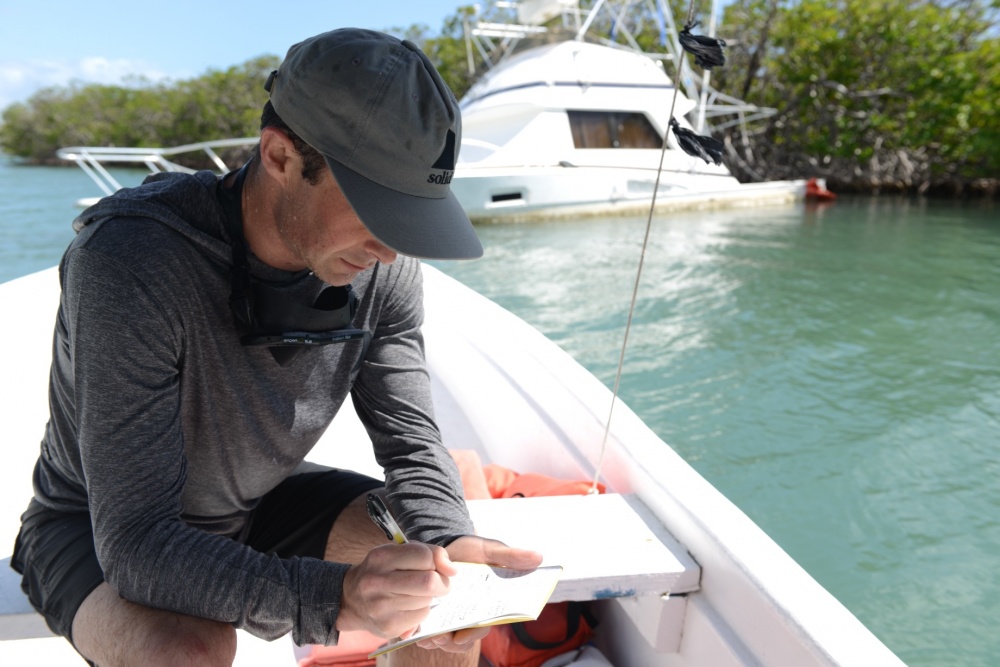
x=472, y=549
x=389, y=593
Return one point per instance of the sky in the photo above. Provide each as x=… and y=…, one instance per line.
x=51, y=42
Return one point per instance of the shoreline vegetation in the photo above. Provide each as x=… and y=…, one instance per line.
x=876, y=97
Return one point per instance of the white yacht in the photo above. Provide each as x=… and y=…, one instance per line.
x=575, y=128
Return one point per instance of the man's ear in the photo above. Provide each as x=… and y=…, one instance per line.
x=277, y=154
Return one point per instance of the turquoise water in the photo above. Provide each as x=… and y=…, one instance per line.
x=36, y=211
x=834, y=371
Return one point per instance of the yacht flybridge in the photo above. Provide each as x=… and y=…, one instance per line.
x=575, y=128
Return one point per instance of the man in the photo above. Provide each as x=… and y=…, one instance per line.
x=208, y=332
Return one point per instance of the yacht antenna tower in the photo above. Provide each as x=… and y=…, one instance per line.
x=495, y=41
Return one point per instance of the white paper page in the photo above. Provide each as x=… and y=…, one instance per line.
x=484, y=595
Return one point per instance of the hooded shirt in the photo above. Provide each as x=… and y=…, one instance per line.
x=168, y=430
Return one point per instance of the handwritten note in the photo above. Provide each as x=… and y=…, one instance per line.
x=482, y=595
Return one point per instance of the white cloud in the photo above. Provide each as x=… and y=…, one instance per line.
x=102, y=70
x=20, y=79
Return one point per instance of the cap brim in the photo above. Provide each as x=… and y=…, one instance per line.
x=416, y=226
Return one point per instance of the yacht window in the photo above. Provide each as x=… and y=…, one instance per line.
x=612, y=129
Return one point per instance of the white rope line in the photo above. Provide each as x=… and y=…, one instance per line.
x=638, y=274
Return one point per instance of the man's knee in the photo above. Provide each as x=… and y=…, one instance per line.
x=111, y=631
x=202, y=644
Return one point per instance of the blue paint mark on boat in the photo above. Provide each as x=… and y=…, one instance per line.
x=609, y=593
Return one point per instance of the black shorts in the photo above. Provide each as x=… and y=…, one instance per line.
x=55, y=554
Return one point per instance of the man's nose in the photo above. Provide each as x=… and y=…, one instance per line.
x=383, y=254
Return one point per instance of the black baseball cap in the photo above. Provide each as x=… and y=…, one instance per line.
x=376, y=108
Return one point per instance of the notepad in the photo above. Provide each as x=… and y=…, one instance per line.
x=482, y=595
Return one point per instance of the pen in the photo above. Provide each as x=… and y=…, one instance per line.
x=383, y=519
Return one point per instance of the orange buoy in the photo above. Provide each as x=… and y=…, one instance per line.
x=816, y=190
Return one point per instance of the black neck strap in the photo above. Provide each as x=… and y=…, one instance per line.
x=241, y=299
x=267, y=316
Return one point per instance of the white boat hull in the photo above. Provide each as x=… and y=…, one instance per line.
x=524, y=194
x=507, y=392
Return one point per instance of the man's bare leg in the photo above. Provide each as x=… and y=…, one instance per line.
x=353, y=535
x=112, y=632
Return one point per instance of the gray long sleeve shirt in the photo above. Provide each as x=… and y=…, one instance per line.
x=169, y=431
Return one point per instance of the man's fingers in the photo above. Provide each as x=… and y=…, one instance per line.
x=413, y=556
x=454, y=642
x=442, y=562
x=473, y=549
x=412, y=583
x=391, y=590
x=468, y=636
x=498, y=553
x=409, y=556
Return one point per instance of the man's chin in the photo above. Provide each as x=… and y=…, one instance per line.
x=338, y=279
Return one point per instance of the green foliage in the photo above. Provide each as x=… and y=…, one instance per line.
x=864, y=83
x=221, y=104
x=448, y=49
x=979, y=114
x=216, y=105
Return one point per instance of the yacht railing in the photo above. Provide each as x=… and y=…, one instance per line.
x=92, y=159
x=714, y=110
